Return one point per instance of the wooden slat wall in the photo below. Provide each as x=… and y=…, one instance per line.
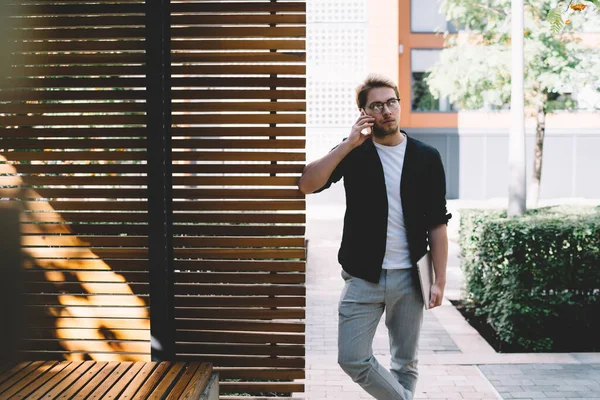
x=72, y=156
x=239, y=109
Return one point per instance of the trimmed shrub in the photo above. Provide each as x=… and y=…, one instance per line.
x=536, y=278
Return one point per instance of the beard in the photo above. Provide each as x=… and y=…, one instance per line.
x=383, y=131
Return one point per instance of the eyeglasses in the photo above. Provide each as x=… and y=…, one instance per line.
x=377, y=107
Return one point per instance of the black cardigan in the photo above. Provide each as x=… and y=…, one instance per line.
x=423, y=194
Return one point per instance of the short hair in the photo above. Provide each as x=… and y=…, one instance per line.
x=373, y=81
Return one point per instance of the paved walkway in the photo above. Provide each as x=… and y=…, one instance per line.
x=455, y=361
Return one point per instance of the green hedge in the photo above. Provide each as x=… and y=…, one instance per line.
x=536, y=278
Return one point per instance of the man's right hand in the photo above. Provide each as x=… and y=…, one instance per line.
x=356, y=137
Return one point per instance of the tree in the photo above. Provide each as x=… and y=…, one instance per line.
x=560, y=15
x=475, y=69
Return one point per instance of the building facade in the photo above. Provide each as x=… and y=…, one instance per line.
x=400, y=38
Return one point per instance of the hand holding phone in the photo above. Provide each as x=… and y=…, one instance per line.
x=366, y=131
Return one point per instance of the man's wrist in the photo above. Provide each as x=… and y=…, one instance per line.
x=440, y=282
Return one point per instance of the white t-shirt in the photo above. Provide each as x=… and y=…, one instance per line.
x=397, y=255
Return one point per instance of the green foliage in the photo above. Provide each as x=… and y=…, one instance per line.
x=475, y=68
x=556, y=21
x=536, y=278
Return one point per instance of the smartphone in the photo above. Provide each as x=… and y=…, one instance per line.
x=366, y=131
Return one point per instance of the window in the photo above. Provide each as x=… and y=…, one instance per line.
x=421, y=97
x=425, y=17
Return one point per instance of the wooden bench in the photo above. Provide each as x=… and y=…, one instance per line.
x=108, y=380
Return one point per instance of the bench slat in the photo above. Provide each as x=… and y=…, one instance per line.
x=10, y=372
x=138, y=381
x=96, y=380
x=46, y=387
x=81, y=380
x=198, y=382
x=42, y=378
x=108, y=383
x=121, y=385
x=167, y=381
x=26, y=375
x=152, y=381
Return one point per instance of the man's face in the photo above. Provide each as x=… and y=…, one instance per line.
x=387, y=122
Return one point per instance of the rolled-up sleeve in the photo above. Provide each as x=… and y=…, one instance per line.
x=436, y=213
x=335, y=176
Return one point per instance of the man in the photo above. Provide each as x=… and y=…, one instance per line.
x=395, y=206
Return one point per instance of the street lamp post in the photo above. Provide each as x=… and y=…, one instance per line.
x=516, y=157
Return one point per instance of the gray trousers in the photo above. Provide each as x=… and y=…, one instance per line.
x=361, y=306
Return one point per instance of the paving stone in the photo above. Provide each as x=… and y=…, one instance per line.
x=556, y=381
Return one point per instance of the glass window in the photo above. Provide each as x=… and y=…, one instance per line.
x=421, y=98
x=425, y=17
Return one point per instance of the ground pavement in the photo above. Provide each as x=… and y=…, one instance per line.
x=455, y=361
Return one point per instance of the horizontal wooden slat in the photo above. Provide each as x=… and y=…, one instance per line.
x=177, y=168
x=83, y=241
x=89, y=276
x=238, y=265
x=49, y=322
x=236, y=290
x=231, y=82
x=186, y=229
x=178, y=144
x=71, y=95
x=132, y=20
x=264, y=44
x=177, y=8
x=141, y=132
x=31, y=10
x=249, y=230
x=229, y=254
x=83, y=312
x=289, y=205
x=85, y=217
x=177, y=57
x=217, y=7
x=238, y=69
x=62, y=252
x=259, y=218
x=238, y=313
x=260, y=373
x=16, y=108
x=260, y=387
x=75, y=287
x=230, y=301
x=217, y=330
x=237, y=156
x=79, y=33
x=249, y=361
x=45, y=46
x=75, y=300
x=77, y=155
x=249, y=349
x=77, y=70
x=237, y=277
x=69, y=82
x=217, y=253
x=242, y=106
x=255, y=56
x=231, y=119
x=43, y=344
x=178, y=193
x=236, y=32
x=86, y=229
x=237, y=242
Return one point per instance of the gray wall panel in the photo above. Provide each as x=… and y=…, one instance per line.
x=496, y=167
x=476, y=163
x=587, y=166
x=557, y=167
